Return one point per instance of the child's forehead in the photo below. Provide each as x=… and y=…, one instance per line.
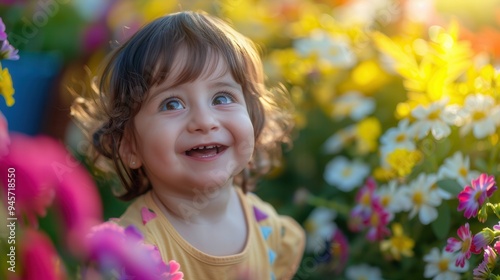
x=186, y=68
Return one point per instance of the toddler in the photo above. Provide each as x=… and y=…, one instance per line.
x=184, y=118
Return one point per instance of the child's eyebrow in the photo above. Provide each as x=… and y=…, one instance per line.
x=233, y=85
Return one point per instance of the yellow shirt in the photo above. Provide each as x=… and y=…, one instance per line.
x=273, y=250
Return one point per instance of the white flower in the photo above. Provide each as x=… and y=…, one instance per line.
x=458, y=167
x=344, y=174
x=424, y=197
x=354, y=105
x=337, y=141
x=366, y=12
x=480, y=115
x=334, y=51
x=441, y=266
x=432, y=118
x=320, y=228
x=399, y=137
x=363, y=272
x=392, y=198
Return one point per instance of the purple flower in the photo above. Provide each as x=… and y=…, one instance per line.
x=112, y=247
x=463, y=247
x=473, y=197
x=483, y=270
x=3, y=35
x=483, y=238
x=7, y=51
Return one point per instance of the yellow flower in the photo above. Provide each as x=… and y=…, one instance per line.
x=402, y=161
x=367, y=77
x=6, y=88
x=381, y=174
x=429, y=68
x=399, y=244
x=367, y=133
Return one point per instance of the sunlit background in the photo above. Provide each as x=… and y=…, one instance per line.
x=360, y=73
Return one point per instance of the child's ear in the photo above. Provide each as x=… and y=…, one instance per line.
x=128, y=152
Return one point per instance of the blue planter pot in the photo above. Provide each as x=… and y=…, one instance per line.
x=33, y=77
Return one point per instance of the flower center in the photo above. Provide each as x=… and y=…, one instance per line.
x=346, y=172
x=466, y=245
x=478, y=115
x=375, y=220
x=443, y=265
x=434, y=115
x=366, y=199
x=385, y=200
x=418, y=198
x=477, y=195
x=400, y=138
x=462, y=171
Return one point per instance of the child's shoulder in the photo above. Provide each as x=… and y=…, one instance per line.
x=265, y=213
x=137, y=214
x=284, y=235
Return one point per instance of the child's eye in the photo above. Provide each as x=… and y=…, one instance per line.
x=171, y=104
x=223, y=98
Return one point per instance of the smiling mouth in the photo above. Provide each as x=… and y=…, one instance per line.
x=205, y=151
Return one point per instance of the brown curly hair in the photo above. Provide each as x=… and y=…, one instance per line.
x=146, y=59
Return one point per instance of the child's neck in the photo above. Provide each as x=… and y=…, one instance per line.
x=199, y=208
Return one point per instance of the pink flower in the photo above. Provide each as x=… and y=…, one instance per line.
x=39, y=258
x=377, y=222
x=483, y=238
x=464, y=247
x=78, y=201
x=45, y=173
x=473, y=197
x=338, y=251
x=483, y=270
x=361, y=213
x=123, y=249
x=32, y=161
x=4, y=135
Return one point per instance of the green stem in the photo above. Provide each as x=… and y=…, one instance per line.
x=491, y=162
x=493, y=208
x=342, y=209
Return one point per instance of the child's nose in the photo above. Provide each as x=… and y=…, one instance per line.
x=202, y=119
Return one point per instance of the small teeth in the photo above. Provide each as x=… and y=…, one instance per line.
x=206, y=147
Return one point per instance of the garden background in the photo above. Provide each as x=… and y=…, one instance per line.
x=397, y=114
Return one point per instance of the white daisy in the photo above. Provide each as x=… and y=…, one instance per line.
x=441, y=265
x=391, y=197
x=337, y=142
x=354, y=105
x=434, y=119
x=334, y=51
x=345, y=174
x=480, y=115
x=458, y=167
x=399, y=137
x=320, y=228
x=424, y=197
x=363, y=272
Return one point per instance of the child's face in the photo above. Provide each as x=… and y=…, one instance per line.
x=197, y=134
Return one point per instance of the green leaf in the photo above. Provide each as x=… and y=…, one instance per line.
x=441, y=226
x=450, y=185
